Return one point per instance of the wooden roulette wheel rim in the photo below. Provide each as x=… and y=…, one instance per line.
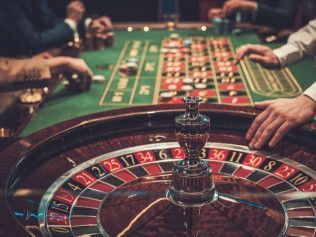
x=15, y=161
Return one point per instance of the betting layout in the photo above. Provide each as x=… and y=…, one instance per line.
x=201, y=67
x=149, y=73
x=154, y=72
x=270, y=83
x=72, y=205
x=133, y=78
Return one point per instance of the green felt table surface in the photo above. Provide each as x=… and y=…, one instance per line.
x=63, y=105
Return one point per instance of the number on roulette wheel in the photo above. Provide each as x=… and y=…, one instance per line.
x=122, y=173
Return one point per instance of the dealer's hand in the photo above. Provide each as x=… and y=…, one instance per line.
x=278, y=117
x=259, y=54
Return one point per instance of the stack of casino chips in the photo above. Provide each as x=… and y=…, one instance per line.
x=221, y=26
x=130, y=67
x=109, y=41
x=99, y=41
x=76, y=82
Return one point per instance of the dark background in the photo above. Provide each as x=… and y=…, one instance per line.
x=132, y=10
x=148, y=10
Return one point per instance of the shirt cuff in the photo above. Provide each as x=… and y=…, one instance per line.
x=311, y=92
x=287, y=54
x=72, y=24
x=87, y=23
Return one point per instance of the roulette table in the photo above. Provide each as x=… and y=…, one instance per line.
x=101, y=163
x=196, y=62
x=108, y=174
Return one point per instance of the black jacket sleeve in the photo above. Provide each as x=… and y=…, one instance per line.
x=22, y=37
x=276, y=13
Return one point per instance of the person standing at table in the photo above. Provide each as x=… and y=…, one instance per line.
x=274, y=13
x=30, y=26
x=281, y=115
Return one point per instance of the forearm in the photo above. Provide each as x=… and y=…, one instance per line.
x=299, y=45
x=58, y=63
x=17, y=74
x=29, y=40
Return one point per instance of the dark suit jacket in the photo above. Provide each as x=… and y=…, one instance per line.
x=29, y=26
x=276, y=13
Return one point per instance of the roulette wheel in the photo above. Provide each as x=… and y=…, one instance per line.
x=123, y=173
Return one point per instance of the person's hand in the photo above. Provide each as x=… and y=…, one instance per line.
x=259, y=54
x=215, y=12
x=96, y=27
x=72, y=65
x=78, y=74
x=75, y=11
x=278, y=117
x=106, y=22
x=232, y=6
x=75, y=71
x=78, y=66
x=101, y=25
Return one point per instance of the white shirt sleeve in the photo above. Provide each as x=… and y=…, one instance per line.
x=311, y=92
x=87, y=23
x=299, y=45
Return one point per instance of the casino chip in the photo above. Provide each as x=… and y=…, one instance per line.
x=233, y=93
x=132, y=60
x=187, y=43
x=98, y=78
x=173, y=51
x=65, y=83
x=188, y=80
x=218, y=25
x=174, y=36
x=77, y=83
x=236, y=31
x=226, y=27
x=128, y=68
x=31, y=96
x=167, y=95
x=200, y=86
x=131, y=68
x=123, y=69
x=172, y=45
x=187, y=87
x=164, y=50
x=74, y=76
